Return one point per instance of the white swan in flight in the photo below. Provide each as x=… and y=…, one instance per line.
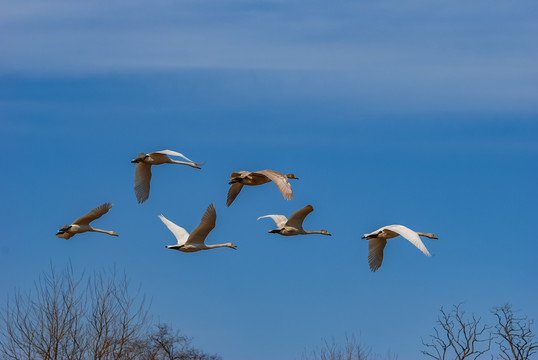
x=143, y=169
x=293, y=226
x=378, y=239
x=240, y=178
x=82, y=224
x=195, y=241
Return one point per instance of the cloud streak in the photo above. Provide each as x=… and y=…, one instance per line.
x=484, y=51
x=80, y=36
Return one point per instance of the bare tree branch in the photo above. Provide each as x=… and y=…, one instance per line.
x=457, y=336
x=101, y=320
x=514, y=335
x=352, y=349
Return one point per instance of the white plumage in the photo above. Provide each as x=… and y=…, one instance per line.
x=143, y=169
x=196, y=240
x=377, y=240
x=293, y=225
x=82, y=224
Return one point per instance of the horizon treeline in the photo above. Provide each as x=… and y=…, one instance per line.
x=98, y=316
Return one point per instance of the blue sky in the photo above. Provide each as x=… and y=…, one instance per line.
x=408, y=113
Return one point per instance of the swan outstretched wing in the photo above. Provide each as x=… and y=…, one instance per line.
x=235, y=189
x=409, y=235
x=207, y=224
x=181, y=234
x=375, y=252
x=142, y=180
x=297, y=218
x=280, y=220
x=172, y=153
x=94, y=214
x=280, y=180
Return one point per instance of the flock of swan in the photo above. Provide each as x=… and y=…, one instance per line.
x=195, y=241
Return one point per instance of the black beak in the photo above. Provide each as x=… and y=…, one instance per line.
x=60, y=233
x=133, y=161
x=364, y=237
x=230, y=183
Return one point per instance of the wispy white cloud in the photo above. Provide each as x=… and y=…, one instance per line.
x=485, y=50
x=64, y=35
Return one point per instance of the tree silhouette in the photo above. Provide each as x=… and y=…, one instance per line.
x=457, y=336
x=88, y=317
x=514, y=335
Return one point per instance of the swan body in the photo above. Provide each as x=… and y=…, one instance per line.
x=240, y=178
x=195, y=241
x=293, y=226
x=378, y=239
x=82, y=224
x=143, y=169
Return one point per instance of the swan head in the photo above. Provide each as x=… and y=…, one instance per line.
x=430, y=235
x=65, y=228
x=325, y=232
x=275, y=231
x=235, y=180
x=291, y=176
x=372, y=235
x=114, y=233
x=231, y=246
x=140, y=158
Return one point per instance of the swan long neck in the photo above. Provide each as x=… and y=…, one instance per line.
x=191, y=164
x=104, y=231
x=230, y=245
x=428, y=235
x=172, y=161
x=322, y=232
